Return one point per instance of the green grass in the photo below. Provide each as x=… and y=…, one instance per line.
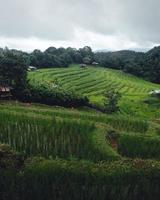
x=93, y=81
x=42, y=132
x=119, y=122
x=33, y=129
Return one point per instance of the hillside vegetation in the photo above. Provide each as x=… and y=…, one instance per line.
x=93, y=82
x=81, y=153
x=100, y=151
x=48, y=131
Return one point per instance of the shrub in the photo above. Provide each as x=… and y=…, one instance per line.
x=111, y=99
x=60, y=97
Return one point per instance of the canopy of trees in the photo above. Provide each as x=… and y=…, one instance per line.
x=13, y=70
x=61, y=57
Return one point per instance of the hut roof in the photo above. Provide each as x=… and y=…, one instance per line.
x=95, y=63
x=155, y=92
x=5, y=89
x=32, y=68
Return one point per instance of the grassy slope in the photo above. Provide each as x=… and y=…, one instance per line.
x=46, y=114
x=136, y=121
x=93, y=81
x=124, y=125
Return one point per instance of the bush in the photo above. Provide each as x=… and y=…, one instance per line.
x=111, y=99
x=60, y=97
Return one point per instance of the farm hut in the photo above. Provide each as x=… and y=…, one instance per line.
x=31, y=68
x=155, y=93
x=83, y=66
x=5, y=92
x=95, y=63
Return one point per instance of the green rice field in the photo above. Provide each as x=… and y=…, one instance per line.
x=93, y=81
x=85, y=133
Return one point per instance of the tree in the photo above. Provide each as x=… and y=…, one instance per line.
x=13, y=68
x=152, y=65
x=78, y=58
x=36, y=58
x=51, y=50
x=87, y=60
x=87, y=54
x=111, y=100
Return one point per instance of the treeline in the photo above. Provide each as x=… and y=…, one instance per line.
x=54, y=57
x=145, y=65
x=61, y=57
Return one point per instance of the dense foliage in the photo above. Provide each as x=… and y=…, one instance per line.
x=13, y=71
x=111, y=100
x=54, y=57
x=56, y=96
x=60, y=57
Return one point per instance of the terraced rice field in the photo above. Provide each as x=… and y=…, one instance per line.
x=82, y=152
x=133, y=132
x=56, y=131
x=93, y=82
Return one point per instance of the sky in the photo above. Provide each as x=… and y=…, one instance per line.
x=100, y=24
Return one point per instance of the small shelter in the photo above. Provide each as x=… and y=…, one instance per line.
x=155, y=92
x=5, y=92
x=95, y=63
x=31, y=68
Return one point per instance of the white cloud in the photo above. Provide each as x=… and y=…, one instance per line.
x=101, y=24
x=80, y=39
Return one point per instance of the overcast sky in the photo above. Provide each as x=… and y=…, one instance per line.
x=101, y=24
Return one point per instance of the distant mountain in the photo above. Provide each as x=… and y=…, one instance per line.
x=140, y=49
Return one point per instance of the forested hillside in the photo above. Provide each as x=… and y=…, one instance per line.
x=145, y=65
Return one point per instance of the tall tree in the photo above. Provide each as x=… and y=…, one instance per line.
x=13, y=67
